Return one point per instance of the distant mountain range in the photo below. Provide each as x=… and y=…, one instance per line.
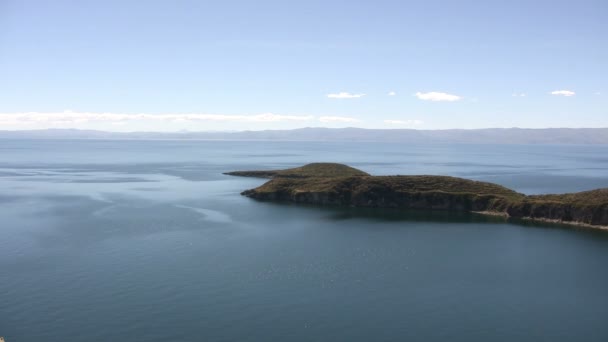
x=479, y=136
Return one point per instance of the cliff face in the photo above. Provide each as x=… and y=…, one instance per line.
x=431, y=192
x=591, y=214
x=366, y=192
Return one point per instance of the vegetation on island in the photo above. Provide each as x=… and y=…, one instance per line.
x=338, y=184
x=313, y=170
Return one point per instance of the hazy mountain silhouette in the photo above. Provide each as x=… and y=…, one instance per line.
x=484, y=136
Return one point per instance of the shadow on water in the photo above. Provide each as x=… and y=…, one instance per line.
x=392, y=215
x=337, y=213
x=558, y=226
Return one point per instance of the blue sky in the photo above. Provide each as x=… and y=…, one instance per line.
x=234, y=65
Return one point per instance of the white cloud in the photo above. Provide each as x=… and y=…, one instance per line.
x=69, y=118
x=404, y=122
x=342, y=119
x=563, y=93
x=519, y=95
x=391, y=93
x=437, y=96
x=344, y=95
x=597, y=93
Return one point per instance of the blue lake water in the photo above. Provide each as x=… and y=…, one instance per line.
x=148, y=241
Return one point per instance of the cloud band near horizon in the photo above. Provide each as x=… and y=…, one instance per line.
x=180, y=121
x=70, y=119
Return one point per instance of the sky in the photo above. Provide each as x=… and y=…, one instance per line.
x=254, y=65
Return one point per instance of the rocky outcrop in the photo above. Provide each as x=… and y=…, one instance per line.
x=593, y=214
x=428, y=193
x=313, y=170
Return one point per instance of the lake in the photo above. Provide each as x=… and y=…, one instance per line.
x=148, y=241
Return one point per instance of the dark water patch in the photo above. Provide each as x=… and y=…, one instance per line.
x=594, y=231
x=391, y=215
x=59, y=179
x=110, y=180
x=477, y=165
x=8, y=198
x=268, y=155
x=149, y=189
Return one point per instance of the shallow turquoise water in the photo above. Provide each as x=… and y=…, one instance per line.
x=148, y=241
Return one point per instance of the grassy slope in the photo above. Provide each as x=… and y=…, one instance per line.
x=329, y=170
x=588, y=206
x=395, y=183
x=585, y=198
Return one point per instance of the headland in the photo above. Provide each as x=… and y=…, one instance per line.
x=342, y=185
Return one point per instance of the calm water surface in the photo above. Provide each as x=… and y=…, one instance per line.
x=148, y=241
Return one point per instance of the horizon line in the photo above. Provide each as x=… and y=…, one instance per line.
x=300, y=128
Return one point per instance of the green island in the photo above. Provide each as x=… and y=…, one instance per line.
x=342, y=185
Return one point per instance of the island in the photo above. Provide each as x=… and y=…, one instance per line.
x=342, y=185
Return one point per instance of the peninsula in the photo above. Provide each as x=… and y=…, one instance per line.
x=342, y=185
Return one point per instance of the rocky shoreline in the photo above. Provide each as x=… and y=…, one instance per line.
x=341, y=185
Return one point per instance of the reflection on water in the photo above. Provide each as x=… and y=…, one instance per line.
x=208, y=214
